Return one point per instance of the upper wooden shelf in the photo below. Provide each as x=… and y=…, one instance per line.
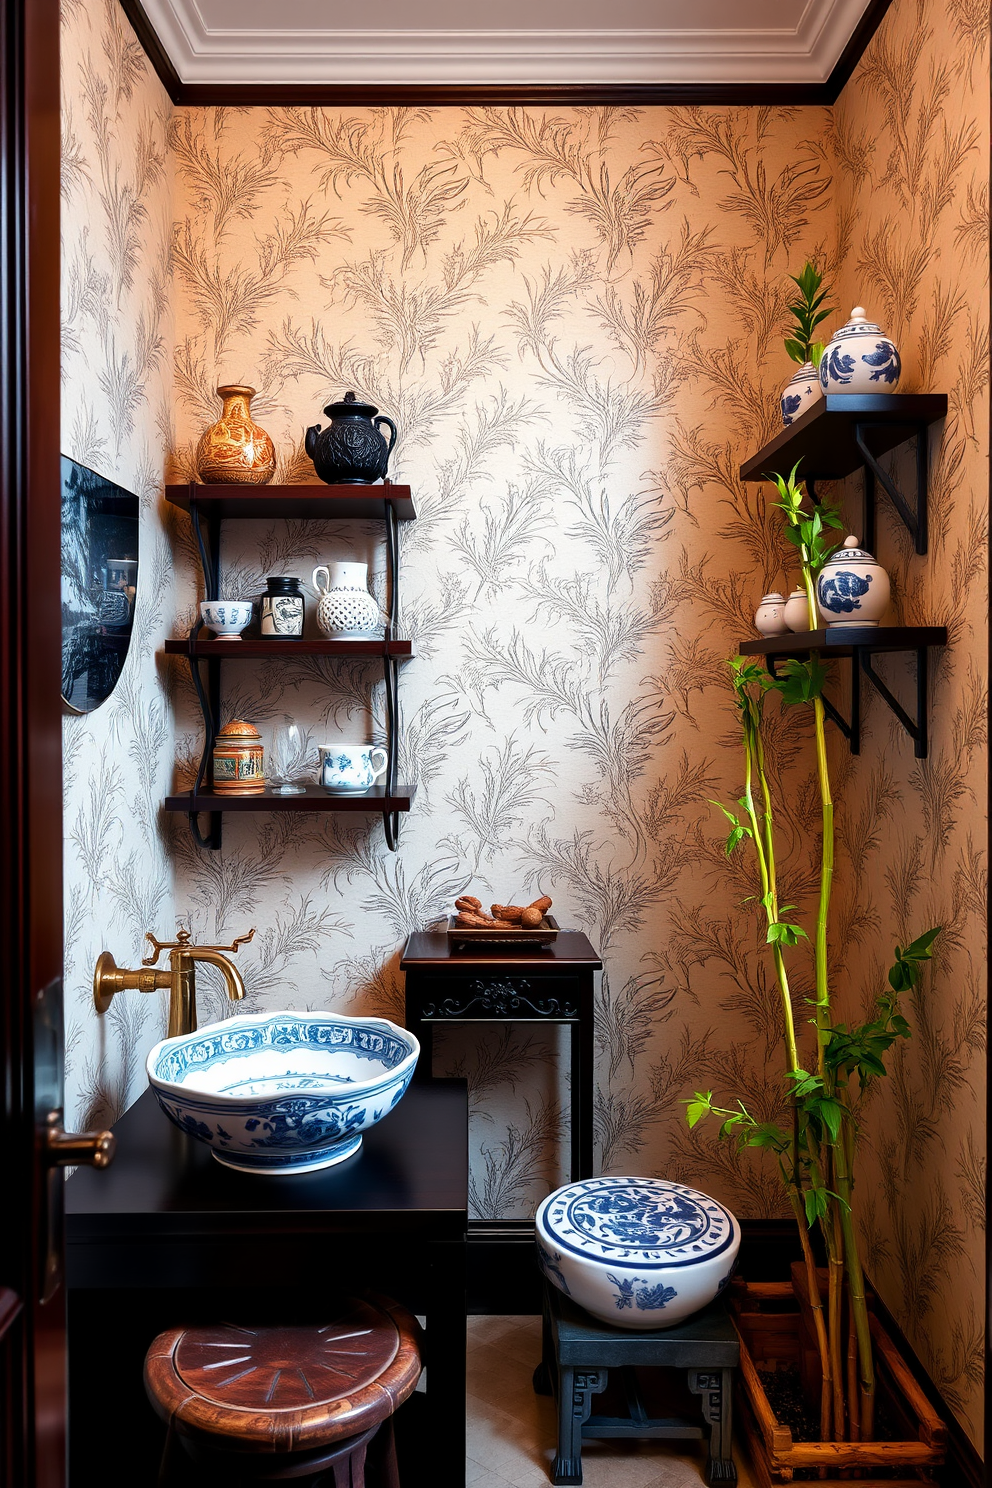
x=844, y=640
x=259, y=647
x=825, y=437
x=309, y=503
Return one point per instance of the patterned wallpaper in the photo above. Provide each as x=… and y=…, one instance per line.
x=117, y=354
x=574, y=318
x=911, y=136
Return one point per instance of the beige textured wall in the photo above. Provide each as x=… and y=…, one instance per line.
x=911, y=132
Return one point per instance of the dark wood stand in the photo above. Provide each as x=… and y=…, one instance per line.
x=540, y=986
x=579, y=1353
x=167, y=1223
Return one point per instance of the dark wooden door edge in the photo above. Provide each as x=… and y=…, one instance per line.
x=503, y=95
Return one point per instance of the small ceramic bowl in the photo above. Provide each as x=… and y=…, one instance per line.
x=283, y=1092
x=636, y=1252
x=227, y=618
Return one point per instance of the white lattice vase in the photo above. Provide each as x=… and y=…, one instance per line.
x=345, y=608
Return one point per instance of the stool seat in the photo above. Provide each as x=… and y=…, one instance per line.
x=285, y=1389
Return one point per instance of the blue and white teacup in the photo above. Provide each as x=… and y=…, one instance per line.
x=227, y=618
x=350, y=767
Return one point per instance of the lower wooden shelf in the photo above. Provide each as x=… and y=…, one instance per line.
x=313, y=798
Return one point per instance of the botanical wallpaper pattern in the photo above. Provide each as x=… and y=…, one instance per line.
x=911, y=138
x=574, y=317
x=117, y=356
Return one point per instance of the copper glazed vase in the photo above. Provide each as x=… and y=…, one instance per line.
x=235, y=451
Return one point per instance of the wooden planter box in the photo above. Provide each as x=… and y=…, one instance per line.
x=768, y=1319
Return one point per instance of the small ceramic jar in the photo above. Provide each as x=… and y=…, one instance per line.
x=800, y=393
x=859, y=359
x=769, y=617
x=852, y=589
x=796, y=612
x=282, y=608
x=239, y=768
x=235, y=450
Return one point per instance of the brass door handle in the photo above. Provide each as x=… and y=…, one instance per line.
x=94, y=1149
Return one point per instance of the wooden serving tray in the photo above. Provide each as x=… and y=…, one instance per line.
x=460, y=939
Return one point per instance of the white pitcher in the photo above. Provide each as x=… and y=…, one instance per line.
x=345, y=608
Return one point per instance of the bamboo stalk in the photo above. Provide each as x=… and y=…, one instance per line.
x=854, y=1415
x=816, y=1305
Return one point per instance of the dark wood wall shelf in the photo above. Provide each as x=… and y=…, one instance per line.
x=858, y=644
x=313, y=798
x=845, y=432
x=208, y=506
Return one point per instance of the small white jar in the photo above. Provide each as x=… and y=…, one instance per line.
x=859, y=359
x=800, y=393
x=769, y=618
x=852, y=589
x=796, y=612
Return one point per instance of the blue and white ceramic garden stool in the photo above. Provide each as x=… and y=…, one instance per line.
x=634, y=1269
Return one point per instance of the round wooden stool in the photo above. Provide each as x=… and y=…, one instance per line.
x=269, y=1403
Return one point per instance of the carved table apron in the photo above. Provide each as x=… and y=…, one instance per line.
x=554, y=985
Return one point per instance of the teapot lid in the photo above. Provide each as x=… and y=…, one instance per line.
x=858, y=325
x=849, y=551
x=351, y=403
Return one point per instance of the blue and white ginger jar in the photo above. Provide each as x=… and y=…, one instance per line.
x=852, y=589
x=800, y=393
x=859, y=359
x=636, y=1252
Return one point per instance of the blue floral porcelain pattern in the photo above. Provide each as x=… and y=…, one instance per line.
x=648, y=1298
x=642, y=1222
x=842, y=592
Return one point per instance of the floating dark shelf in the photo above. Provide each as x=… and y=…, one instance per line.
x=836, y=642
x=845, y=432
x=859, y=643
x=314, y=798
x=308, y=503
x=257, y=648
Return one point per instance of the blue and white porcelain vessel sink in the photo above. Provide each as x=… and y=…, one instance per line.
x=283, y=1092
x=637, y=1252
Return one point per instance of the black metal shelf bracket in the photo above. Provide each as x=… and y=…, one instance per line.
x=861, y=661
x=915, y=522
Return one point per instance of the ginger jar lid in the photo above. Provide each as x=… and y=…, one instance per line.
x=848, y=552
x=237, y=730
x=773, y=598
x=858, y=325
x=646, y=1223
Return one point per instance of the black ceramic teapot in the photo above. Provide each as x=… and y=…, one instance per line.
x=351, y=451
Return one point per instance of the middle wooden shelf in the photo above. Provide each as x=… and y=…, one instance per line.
x=257, y=648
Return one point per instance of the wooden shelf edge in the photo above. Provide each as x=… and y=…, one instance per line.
x=841, y=641
x=313, y=799
x=258, y=648
x=309, y=502
x=841, y=411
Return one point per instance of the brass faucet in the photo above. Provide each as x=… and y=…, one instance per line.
x=109, y=978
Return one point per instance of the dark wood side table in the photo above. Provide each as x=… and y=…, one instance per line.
x=444, y=986
x=579, y=1352
x=167, y=1229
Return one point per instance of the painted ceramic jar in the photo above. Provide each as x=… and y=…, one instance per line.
x=351, y=451
x=859, y=359
x=796, y=612
x=636, y=1252
x=344, y=605
x=283, y=608
x=238, y=758
x=227, y=618
x=852, y=589
x=235, y=451
x=769, y=617
x=350, y=769
x=800, y=393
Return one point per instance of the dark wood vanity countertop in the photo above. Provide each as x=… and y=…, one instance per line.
x=432, y=948
x=410, y=1177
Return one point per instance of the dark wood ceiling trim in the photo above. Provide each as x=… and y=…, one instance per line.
x=524, y=95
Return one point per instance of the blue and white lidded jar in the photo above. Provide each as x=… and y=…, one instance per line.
x=859, y=359
x=800, y=393
x=636, y=1252
x=852, y=589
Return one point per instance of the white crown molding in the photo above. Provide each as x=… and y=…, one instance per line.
x=804, y=53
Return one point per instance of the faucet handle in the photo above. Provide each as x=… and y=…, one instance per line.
x=183, y=942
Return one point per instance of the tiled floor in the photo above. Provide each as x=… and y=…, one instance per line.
x=511, y=1431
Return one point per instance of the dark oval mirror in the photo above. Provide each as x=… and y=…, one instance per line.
x=99, y=583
